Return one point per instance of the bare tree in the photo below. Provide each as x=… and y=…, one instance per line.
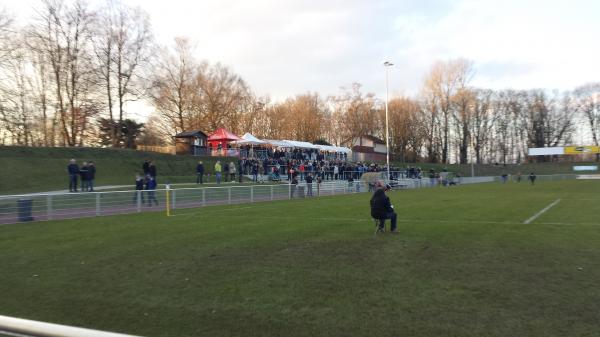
x=173, y=92
x=356, y=112
x=122, y=46
x=464, y=105
x=442, y=83
x=6, y=32
x=482, y=121
x=548, y=121
x=224, y=97
x=15, y=105
x=406, y=136
x=587, y=102
x=63, y=33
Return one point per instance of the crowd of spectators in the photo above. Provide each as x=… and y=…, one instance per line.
x=278, y=168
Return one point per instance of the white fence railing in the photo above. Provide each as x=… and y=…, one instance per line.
x=23, y=327
x=40, y=207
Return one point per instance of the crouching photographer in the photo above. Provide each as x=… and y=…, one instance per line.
x=381, y=207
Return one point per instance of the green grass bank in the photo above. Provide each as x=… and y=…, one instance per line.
x=31, y=169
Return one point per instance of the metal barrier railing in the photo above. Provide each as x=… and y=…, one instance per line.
x=40, y=207
x=23, y=327
x=51, y=206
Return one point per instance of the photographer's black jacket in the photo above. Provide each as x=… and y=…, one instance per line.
x=380, y=204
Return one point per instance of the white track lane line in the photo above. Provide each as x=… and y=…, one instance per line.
x=536, y=215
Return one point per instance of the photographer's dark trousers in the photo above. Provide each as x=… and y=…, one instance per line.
x=393, y=217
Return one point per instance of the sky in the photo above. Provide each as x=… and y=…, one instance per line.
x=287, y=47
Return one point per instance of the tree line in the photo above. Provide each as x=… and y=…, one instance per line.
x=69, y=74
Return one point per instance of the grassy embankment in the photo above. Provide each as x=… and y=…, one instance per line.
x=27, y=169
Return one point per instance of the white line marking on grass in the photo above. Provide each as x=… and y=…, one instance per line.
x=536, y=215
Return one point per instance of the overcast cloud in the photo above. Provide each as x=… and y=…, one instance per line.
x=282, y=48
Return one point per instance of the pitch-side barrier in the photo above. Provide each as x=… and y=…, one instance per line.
x=42, y=207
x=11, y=326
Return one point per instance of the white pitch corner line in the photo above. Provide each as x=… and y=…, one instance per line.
x=536, y=215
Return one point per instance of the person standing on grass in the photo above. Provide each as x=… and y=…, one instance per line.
x=431, y=177
x=152, y=170
x=225, y=172
x=265, y=166
x=319, y=181
x=294, y=184
x=381, y=207
x=199, y=173
x=73, y=171
x=309, y=181
x=146, y=167
x=218, y=172
x=302, y=169
x=151, y=188
x=532, y=178
x=336, y=172
x=232, y=171
x=139, y=188
x=91, y=176
x=255, y=172
x=83, y=172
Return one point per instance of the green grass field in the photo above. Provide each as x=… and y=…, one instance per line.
x=464, y=264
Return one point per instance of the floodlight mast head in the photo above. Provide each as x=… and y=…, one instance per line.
x=387, y=65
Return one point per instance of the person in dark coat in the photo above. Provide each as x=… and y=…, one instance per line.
x=152, y=170
x=151, y=188
x=73, y=171
x=255, y=172
x=240, y=169
x=532, y=178
x=146, y=167
x=225, y=171
x=293, y=186
x=382, y=209
x=265, y=165
x=199, y=173
x=83, y=172
x=139, y=188
x=309, y=181
x=91, y=175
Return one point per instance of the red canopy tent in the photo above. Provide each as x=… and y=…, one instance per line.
x=220, y=138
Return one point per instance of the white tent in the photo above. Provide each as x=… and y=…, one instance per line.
x=336, y=149
x=302, y=145
x=343, y=149
x=278, y=143
x=249, y=139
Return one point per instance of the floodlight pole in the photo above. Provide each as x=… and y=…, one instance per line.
x=387, y=64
